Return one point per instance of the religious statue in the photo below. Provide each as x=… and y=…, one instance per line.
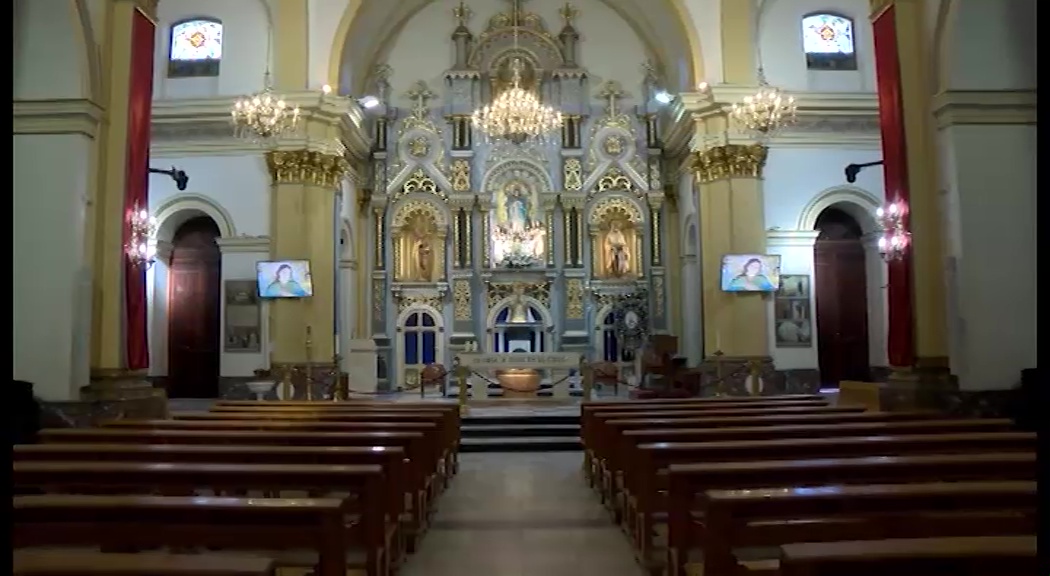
x=424, y=254
x=519, y=309
x=517, y=207
x=619, y=255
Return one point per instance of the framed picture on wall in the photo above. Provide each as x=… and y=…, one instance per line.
x=243, y=317
x=793, y=313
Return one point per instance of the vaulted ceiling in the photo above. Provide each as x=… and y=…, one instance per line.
x=378, y=22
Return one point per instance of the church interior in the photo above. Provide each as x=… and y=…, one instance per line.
x=525, y=287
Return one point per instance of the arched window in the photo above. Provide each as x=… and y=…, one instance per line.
x=195, y=49
x=525, y=336
x=827, y=40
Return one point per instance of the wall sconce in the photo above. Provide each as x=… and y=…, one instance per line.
x=141, y=248
x=894, y=237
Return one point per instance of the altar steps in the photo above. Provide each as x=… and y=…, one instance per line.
x=494, y=390
x=538, y=433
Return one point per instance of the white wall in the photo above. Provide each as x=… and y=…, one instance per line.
x=52, y=283
x=784, y=60
x=799, y=184
x=239, y=185
x=239, y=257
x=992, y=272
x=245, y=32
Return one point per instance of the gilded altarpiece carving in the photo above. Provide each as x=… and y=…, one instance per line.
x=483, y=244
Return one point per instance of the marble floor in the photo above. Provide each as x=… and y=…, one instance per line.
x=521, y=514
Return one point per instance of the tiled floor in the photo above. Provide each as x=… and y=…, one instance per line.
x=521, y=515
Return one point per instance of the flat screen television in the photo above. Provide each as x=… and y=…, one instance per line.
x=750, y=272
x=284, y=279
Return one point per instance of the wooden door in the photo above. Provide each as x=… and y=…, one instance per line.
x=193, y=311
x=840, y=278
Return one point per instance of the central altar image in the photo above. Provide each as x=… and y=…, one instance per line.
x=515, y=207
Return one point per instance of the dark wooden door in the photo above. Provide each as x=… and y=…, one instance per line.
x=840, y=278
x=193, y=311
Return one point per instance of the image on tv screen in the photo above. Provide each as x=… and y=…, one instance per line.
x=750, y=273
x=284, y=279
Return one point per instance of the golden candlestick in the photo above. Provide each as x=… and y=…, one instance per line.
x=462, y=373
x=286, y=385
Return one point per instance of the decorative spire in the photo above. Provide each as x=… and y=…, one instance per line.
x=420, y=94
x=611, y=92
x=568, y=13
x=462, y=13
x=517, y=12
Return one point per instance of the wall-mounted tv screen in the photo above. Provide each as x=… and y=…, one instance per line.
x=750, y=272
x=284, y=279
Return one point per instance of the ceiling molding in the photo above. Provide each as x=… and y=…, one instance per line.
x=980, y=107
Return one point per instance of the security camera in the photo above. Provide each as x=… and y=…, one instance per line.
x=181, y=179
x=851, y=173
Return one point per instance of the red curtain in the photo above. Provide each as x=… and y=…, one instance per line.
x=895, y=171
x=136, y=176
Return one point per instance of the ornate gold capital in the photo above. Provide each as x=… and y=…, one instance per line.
x=730, y=161
x=306, y=167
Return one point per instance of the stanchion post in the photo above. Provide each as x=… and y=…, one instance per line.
x=755, y=371
x=462, y=374
x=586, y=379
x=286, y=384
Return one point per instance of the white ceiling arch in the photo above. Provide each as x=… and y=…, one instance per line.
x=370, y=27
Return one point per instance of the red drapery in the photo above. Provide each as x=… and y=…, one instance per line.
x=900, y=347
x=136, y=176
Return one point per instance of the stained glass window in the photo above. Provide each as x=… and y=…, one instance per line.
x=827, y=40
x=196, y=48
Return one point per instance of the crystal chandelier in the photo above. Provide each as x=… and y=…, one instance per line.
x=894, y=237
x=516, y=114
x=766, y=111
x=140, y=247
x=264, y=116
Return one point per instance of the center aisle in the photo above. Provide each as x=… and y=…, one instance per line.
x=521, y=514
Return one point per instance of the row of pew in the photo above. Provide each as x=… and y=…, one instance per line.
x=793, y=486
x=244, y=489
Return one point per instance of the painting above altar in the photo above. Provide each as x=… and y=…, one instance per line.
x=518, y=234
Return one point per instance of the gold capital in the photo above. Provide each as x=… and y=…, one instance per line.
x=730, y=161
x=306, y=167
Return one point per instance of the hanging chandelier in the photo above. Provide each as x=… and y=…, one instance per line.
x=894, y=237
x=516, y=114
x=140, y=248
x=766, y=111
x=264, y=117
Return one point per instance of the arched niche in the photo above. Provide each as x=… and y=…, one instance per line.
x=616, y=226
x=857, y=202
x=418, y=230
x=531, y=335
x=177, y=210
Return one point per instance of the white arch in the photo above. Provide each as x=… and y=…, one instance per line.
x=855, y=201
x=690, y=236
x=346, y=235
x=599, y=317
x=439, y=320
x=545, y=314
x=178, y=209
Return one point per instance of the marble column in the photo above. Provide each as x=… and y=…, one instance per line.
x=732, y=214
x=302, y=227
x=691, y=345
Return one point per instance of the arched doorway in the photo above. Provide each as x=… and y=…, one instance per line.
x=841, y=286
x=193, y=310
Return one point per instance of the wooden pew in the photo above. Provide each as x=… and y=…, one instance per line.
x=449, y=411
x=687, y=481
x=645, y=480
x=411, y=442
x=774, y=516
x=589, y=409
x=392, y=460
x=367, y=500
x=987, y=556
x=142, y=521
x=628, y=440
x=606, y=437
x=431, y=454
x=85, y=563
x=446, y=437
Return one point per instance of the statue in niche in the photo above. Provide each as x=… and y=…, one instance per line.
x=618, y=253
x=519, y=309
x=421, y=254
x=517, y=238
x=517, y=209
